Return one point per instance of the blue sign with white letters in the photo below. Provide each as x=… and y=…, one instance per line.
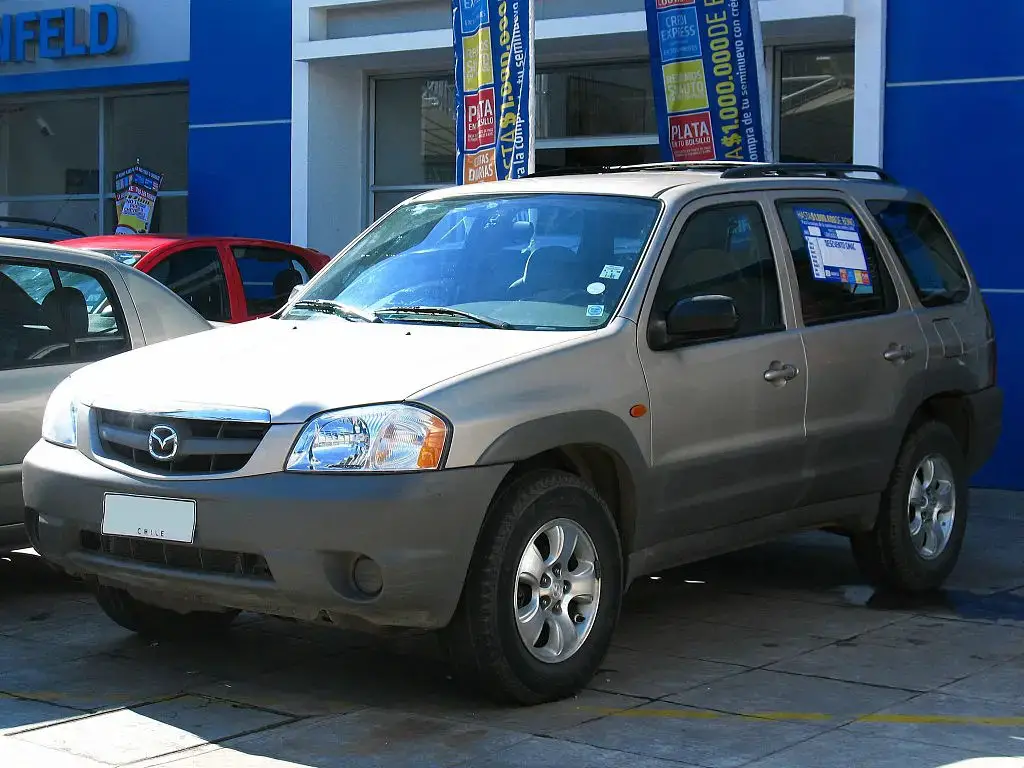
x=62, y=33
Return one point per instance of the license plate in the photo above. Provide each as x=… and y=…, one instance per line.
x=144, y=517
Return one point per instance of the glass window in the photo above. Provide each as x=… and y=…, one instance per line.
x=50, y=148
x=608, y=100
x=538, y=262
x=840, y=273
x=927, y=253
x=43, y=322
x=197, y=276
x=725, y=251
x=414, y=131
x=268, y=277
x=170, y=217
x=581, y=157
x=816, y=106
x=153, y=129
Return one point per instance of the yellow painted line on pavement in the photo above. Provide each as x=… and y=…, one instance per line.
x=889, y=719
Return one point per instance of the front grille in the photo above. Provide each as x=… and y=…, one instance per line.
x=204, y=447
x=179, y=556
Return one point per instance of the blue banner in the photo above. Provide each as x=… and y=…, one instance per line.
x=494, y=89
x=707, y=64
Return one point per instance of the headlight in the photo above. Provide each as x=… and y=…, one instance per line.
x=60, y=419
x=378, y=438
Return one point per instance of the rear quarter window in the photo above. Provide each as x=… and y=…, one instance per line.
x=926, y=251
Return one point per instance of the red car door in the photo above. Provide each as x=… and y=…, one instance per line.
x=266, y=272
x=198, y=272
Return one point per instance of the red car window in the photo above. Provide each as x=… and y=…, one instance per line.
x=268, y=276
x=196, y=275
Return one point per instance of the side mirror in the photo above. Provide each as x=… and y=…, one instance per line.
x=295, y=290
x=701, y=318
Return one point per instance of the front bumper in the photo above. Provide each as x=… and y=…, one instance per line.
x=306, y=531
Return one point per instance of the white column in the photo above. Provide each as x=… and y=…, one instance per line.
x=869, y=81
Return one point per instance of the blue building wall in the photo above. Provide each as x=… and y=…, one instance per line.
x=954, y=117
x=240, y=118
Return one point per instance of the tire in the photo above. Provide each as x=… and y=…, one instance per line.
x=888, y=556
x=153, y=622
x=484, y=641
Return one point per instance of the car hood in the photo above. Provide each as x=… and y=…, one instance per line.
x=297, y=369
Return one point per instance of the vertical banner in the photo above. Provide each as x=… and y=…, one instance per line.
x=710, y=89
x=494, y=89
x=135, y=193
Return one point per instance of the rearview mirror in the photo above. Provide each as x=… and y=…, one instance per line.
x=700, y=318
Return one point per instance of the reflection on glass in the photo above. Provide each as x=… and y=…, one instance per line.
x=153, y=129
x=816, y=110
x=80, y=214
x=49, y=148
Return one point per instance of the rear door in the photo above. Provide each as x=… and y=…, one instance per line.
x=866, y=352
x=54, y=318
x=267, y=275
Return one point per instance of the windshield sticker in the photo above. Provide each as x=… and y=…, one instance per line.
x=595, y=289
x=595, y=310
x=611, y=272
x=835, y=247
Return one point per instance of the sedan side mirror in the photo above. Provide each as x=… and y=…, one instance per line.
x=701, y=318
x=295, y=290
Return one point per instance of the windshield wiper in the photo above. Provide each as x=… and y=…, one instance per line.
x=336, y=308
x=446, y=311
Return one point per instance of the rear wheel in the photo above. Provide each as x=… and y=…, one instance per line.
x=917, y=539
x=154, y=622
x=543, y=592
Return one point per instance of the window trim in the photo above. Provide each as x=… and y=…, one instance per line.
x=678, y=226
x=104, y=281
x=868, y=229
x=899, y=258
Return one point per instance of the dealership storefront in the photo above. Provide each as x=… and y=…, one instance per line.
x=307, y=119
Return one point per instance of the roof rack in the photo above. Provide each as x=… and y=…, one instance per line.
x=828, y=170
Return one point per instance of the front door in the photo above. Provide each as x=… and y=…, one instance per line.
x=866, y=353
x=727, y=416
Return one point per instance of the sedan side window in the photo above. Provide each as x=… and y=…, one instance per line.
x=725, y=251
x=197, y=276
x=54, y=316
x=840, y=272
x=268, y=276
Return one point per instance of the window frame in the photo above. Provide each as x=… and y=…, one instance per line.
x=689, y=209
x=897, y=254
x=228, y=271
x=869, y=230
x=233, y=259
x=54, y=268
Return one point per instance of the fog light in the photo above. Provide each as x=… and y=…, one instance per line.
x=367, y=577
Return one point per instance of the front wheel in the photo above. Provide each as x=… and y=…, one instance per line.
x=920, y=530
x=542, y=595
x=153, y=622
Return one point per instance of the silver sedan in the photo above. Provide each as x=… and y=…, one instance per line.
x=60, y=309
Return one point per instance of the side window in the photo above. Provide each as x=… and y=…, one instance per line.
x=927, y=253
x=196, y=276
x=726, y=251
x=840, y=272
x=268, y=277
x=55, y=317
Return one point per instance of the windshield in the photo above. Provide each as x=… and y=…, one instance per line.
x=128, y=258
x=536, y=262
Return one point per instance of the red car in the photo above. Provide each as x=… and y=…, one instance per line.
x=226, y=279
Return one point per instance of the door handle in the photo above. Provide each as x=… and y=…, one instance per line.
x=780, y=373
x=897, y=353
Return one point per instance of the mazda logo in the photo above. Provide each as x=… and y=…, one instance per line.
x=163, y=443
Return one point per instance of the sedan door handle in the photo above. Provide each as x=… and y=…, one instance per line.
x=779, y=373
x=897, y=353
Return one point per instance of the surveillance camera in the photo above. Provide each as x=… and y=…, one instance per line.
x=44, y=127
